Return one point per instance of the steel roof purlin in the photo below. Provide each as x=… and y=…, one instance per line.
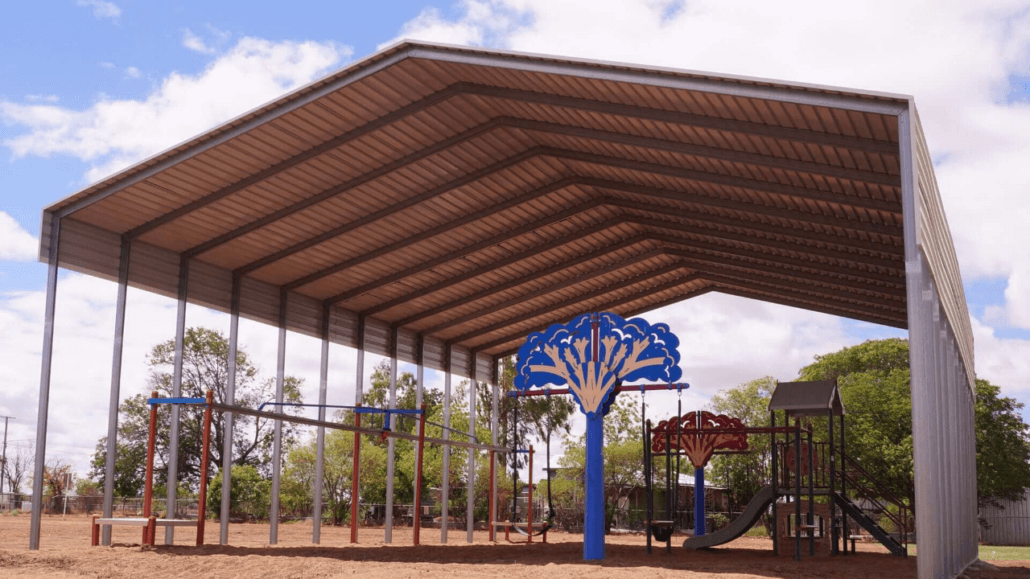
x=470, y=195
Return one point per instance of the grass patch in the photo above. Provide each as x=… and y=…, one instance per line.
x=998, y=553
x=994, y=553
x=757, y=531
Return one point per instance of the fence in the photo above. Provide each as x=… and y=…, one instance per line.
x=1008, y=524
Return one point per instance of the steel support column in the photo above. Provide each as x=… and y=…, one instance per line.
x=391, y=449
x=173, y=443
x=230, y=399
x=493, y=440
x=277, y=440
x=445, y=486
x=470, y=495
x=323, y=387
x=116, y=384
x=44, y=382
x=420, y=358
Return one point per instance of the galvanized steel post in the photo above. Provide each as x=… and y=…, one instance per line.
x=323, y=387
x=445, y=486
x=116, y=381
x=230, y=399
x=173, y=444
x=277, y=437
x=470, y=487
x=391, y=450
x=44, y=382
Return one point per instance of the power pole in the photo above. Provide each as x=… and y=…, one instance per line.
x=3, y=460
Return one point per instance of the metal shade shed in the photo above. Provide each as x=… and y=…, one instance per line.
x=460, y=198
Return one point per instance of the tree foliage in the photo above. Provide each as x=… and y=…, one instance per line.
x=744, y=474
x=623, y=454
x=876, y=389
x=205, y=367
x=299, y=473
x=249, y=494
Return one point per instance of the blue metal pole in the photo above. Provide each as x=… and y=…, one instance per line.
x=699, y=502
x=593, y=524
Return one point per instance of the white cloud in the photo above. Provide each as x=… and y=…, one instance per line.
x=955, y=57
x=113, y=134
x=42, y=98
x=81, y=370
x=482, y=23
x=106, y=64
x=16, y=244
x=133, y=73
x=101, y=9
x=195, y=43
x=1005, y=362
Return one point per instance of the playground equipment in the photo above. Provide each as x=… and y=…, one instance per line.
x=698, y=435
x=150, y=522
x=512, y=523
x=799, y=474
x=593, y=354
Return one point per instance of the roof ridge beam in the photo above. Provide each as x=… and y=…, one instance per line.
x=706, y=151
x=607, y=289
x=691, y=119
x=785, y=288
x=594, y=273
x=310, y=153
x=796, y=246
x=472, y=248
x=515, y=282
x=431, y=232
x=704, y=264
x=745, y=254
x=726, y=180
x=664, y=286
x=746, y=207
x=736, y=289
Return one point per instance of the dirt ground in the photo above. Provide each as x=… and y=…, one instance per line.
x=65, y=552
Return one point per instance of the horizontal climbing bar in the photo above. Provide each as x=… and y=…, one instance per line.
x=200, y=401
x=677, y=386
x=349, y=428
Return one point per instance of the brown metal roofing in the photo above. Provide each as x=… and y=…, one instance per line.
x=472, y=196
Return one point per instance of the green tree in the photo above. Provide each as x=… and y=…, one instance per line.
x=205, y=367
x=623, y=459
x=1002, y=446
x=249, y=494
x=876, y=390
x=549, y=415
x=745, y=474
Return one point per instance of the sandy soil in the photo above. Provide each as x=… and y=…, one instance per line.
x=65, y=552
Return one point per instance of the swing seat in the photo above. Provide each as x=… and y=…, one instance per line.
x=662, y=530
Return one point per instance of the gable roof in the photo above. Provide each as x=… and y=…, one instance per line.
x=467, y=197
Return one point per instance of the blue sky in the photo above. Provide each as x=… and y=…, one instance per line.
x=89, y=86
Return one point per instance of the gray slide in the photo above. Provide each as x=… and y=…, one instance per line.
x=755, y=509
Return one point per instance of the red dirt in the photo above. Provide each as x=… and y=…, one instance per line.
x=65, y=552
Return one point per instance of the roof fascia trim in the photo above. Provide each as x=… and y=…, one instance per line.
x=516, y=61
x=227, y=131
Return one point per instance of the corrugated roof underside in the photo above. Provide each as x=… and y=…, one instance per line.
x=473, y=204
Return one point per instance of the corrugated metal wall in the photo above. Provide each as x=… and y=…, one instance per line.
x=1008, y=525
x=94, y=251
x=934, y=237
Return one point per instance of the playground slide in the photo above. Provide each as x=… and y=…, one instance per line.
x=755, y=509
